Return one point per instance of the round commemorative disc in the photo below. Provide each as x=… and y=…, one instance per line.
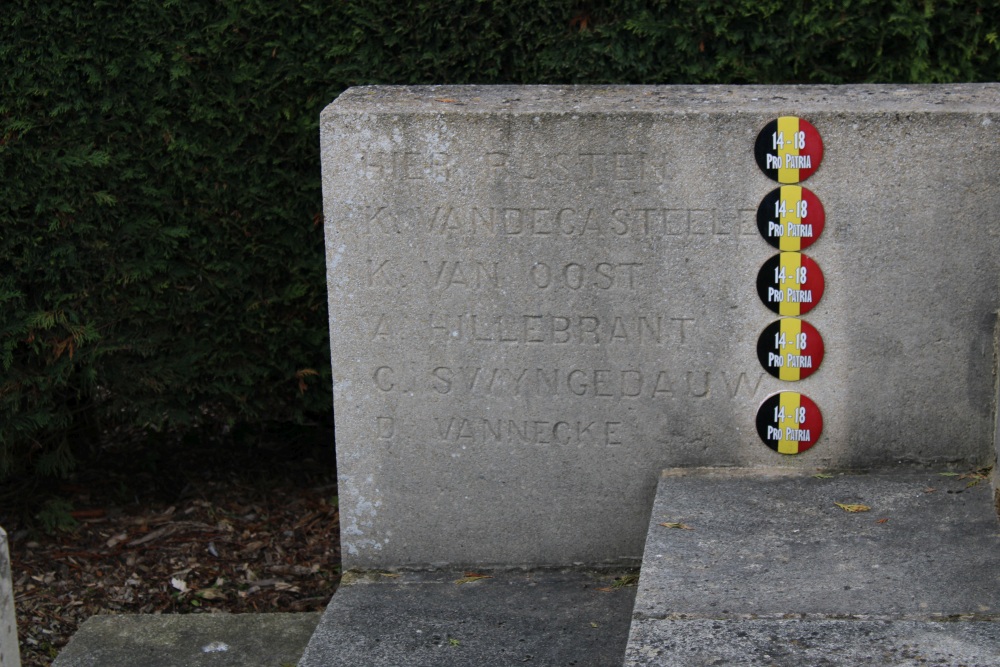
x=789, y=422
x=790, y=283
x=788, y=149
x=790, y=349
x=790, y=218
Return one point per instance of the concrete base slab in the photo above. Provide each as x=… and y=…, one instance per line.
x=771, y=542
x=778, y=563
x=818, y=643
x=190, y=640
x=561, y=619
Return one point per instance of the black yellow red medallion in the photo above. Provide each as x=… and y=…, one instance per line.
x=789, y=422
x=790, y=283
x=791, y=217
x=790, y=349
x=788, y=149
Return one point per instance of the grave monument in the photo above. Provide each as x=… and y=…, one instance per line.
x=542, y=296
x=734, y=333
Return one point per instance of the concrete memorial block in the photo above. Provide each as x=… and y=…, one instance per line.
x=10, y=654
x=542, y=296
x=799, y=569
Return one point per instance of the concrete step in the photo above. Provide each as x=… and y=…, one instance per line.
x=557, y=618
x=554, y=618
x=189, y=640
x=761, y=567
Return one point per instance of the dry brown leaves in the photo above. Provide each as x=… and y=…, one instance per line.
x=853, y=508
x=227, y=545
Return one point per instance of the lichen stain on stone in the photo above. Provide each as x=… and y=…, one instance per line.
x=215, y=647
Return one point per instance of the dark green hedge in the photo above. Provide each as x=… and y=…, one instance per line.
x=161, y=253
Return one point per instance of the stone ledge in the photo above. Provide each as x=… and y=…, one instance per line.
x=765, y=544
x=559, y=618
x=190, y=640
x=769, y=570
x=793, y=643
x=618, y=99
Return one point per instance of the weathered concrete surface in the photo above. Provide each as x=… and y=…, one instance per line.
x=10, y=654
x=995, y=480
x=817, y=643
x=189, y=640
x=540, y=296
x=766, y=543
x=559, y=619
x=765, y=546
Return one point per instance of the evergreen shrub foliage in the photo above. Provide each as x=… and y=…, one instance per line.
x=161, y=252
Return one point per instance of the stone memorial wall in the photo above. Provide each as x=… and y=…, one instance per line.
x=542, y=296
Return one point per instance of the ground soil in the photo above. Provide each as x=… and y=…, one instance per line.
x=201, y=525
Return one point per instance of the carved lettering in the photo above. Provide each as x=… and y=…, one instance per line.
x=550, y=329
x=575, y=276
x=445, y=274
x=441, y=275
x=733, y=386
x=397, y=378
x=469, y=430
x=748, y=222
x=405, y=165
x=377, y=218
x=383, y=273
x=691, y=384
x=583, y=167
x=557, y=221
x=382, y=330
x=383, y=378
x=632, y=383
x=638, y=383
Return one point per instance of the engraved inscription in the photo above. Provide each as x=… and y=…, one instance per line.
x=448, y=219
x=383, y=328
x=573, y=382
x=583, y=167
x=439, y=275
x=377, y=218
x=748, y=222
x=602, y=383
x=405, y=165
x=444, y=274
x=484, y=430
x=574, y=275
x=379, y=277
x=550, y=329
x=555, y=221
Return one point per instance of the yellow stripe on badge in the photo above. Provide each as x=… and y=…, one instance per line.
x=788, y=127
x=790, y=197
x=790, y=329
x=790, y=263
x=788, y=406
